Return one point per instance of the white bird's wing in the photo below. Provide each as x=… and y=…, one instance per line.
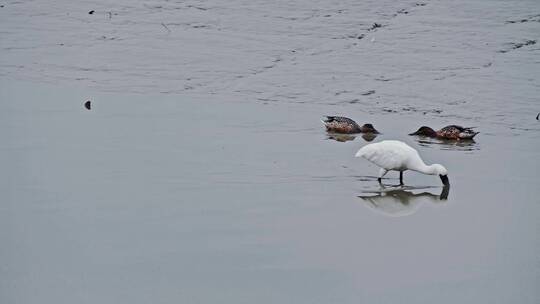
x=386, y=155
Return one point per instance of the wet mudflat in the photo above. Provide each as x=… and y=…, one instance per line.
x=201, y=173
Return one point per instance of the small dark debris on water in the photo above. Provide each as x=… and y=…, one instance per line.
x=355, y=36
x=368, y=93
x=429, y=111
x=402, y=11
x=537, y=116
x=91, y=12
x=374, y=26
x=526, y=43
x=88, y=105
x=108, y=38
x=166, y=27
x=528, y=19
x=456, y=102
x=420, y=4
x=341, y=92
x=197, y=7
x=518, y=45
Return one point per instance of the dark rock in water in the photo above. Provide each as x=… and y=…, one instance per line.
x=91, y=12
x=88, y=105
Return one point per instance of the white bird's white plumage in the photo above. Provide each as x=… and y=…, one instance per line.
x=398, y=156
x=389, y=154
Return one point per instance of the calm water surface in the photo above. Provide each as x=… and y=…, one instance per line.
x=158, y=199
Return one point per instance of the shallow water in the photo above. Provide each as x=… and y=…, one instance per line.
x=203, y=174
x=169, y=200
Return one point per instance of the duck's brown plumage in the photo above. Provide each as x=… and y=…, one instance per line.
x=339, y=124
x=448, y=132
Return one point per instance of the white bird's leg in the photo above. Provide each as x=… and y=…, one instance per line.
x=401, y=178
x=382, y=173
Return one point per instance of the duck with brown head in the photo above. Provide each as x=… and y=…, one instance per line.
x=368, y=128
x=448, y=132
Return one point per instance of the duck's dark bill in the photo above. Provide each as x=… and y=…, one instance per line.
x=444, y=179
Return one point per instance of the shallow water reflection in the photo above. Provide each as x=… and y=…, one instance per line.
x=402, y=201
x=348, y=137
x=369, y=136
x=447, y=144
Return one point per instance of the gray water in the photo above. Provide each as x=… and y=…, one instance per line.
x=203, y=174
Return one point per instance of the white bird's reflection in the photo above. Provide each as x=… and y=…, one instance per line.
x=402, y=201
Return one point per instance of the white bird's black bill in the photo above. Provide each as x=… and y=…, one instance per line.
x=445, y=181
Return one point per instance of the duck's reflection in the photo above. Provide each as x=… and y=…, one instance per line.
x=347, y=137
x=369, y=136
x=449, y=144
x=402, y=201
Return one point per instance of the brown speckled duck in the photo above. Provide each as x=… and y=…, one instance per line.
x=448, y=132
x=338, y=124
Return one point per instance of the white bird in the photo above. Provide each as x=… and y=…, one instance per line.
x=398, y=156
